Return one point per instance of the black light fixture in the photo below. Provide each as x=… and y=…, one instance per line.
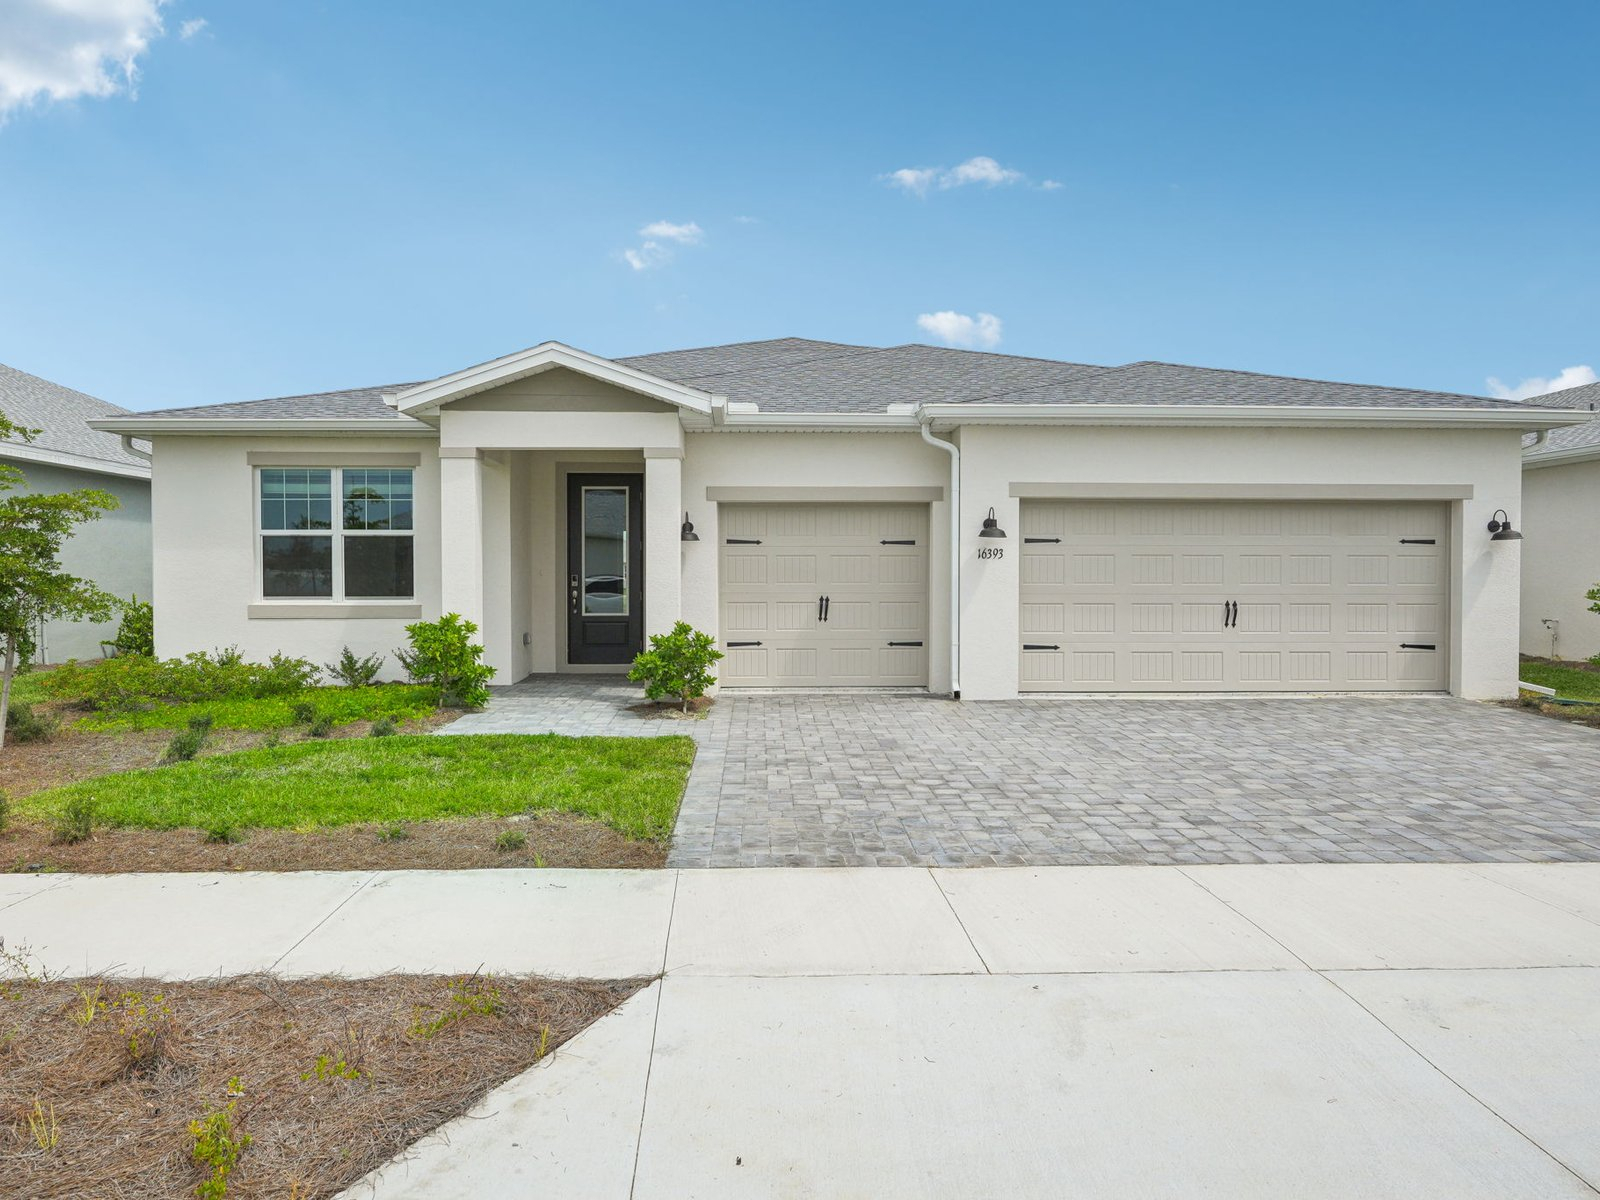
x=688, y=534
x=991, y=527
x=1500, y=528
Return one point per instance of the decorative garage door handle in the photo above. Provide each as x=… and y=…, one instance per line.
x=898, y=542
x=1419, y=541
x=739, y=645
x=1230, y=613
x=1029, y=646
x=827, y=604
x=905, y=643
x=1027, y=541
x=1418, y=646
x=744, y=541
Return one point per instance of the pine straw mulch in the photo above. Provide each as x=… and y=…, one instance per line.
x=122, y=1120
x=554, y=839
x=1573, y=714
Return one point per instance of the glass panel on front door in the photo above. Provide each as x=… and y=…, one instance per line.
x=605, y=551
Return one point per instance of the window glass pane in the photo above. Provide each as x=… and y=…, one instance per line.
x=297, y=566
x=605, y=550
x=377, y=567
x=296, y=498
x=377, y=498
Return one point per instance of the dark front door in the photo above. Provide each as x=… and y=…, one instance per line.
x=605, y=568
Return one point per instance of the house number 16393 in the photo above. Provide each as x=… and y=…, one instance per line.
x=991, y=552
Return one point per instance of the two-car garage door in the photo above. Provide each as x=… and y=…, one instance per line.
x=824, y=595
x=1226, y=596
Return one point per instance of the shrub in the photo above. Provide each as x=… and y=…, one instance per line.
x=395, y=831
x=202, y=722
x=303, y=712
x=25, y=723
x=356, y=672
x=5, y=811
x=132, y=682
x=76, y=820
x=382, y=727
x=677, y=664
x=185, y=744
x=320, y=728
x=444, y=656
x=217, y=1147
x=223, y=833
x=509, y=840
x=137, y=632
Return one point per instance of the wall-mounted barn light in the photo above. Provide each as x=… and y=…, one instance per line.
x=991, y=527
x=1500, y=528
x=688, y=534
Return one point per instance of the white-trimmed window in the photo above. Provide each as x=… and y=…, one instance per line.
x=358, y=548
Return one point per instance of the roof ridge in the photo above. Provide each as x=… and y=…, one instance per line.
x=1054, y=362
x=855, y=352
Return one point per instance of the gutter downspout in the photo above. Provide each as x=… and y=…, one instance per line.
x=129, y=448
x=954, y=451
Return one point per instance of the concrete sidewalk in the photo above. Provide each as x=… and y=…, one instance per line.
x=1099, y=1031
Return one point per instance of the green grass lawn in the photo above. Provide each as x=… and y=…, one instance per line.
x=631, y=784
x=1570, y=683
x=340, y=705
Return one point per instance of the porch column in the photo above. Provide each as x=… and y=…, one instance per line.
x=461, y=533
x=663, y=549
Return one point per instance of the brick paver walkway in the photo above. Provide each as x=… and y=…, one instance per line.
x=855, y=780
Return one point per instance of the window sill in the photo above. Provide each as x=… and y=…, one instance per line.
x=328, y=610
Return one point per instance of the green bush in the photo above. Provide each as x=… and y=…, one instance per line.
x=509, y=840
x=356, y=672
x=202, y=722
x=132, y=682
x=25, y=723
x=320, y=728
x=677, y=664
x=444, y=656
x=5, y=811
x=304, y=712
x=382, y=727
x=137, y=632
x=185, y=745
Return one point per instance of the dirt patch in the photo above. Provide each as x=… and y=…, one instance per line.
x=553, y=839
x=1579, y=664
x=398, y=1055
x=74, y=754
x=1573, y=714
x=652, y=710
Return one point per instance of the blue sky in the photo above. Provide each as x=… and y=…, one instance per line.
x=304, y=196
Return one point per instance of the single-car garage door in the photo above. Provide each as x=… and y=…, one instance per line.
x=1218, y=596
x=817, y=595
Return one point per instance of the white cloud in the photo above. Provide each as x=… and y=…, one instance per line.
x=981, y=169
x=747, y=220
x=1569, y=377
x=958, y=329
x=686, y=235
x=190, y=28
x=1050, y=185
x=655, y=250
x=63, y=49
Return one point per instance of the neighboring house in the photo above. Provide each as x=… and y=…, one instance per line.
x=1561, y=517
x=113, y=551
x=860, y=517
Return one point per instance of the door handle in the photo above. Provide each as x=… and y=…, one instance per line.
x=1234, y=624
x=819, y=608
x=1224, y=614
x=827, y=603
x=574, y=586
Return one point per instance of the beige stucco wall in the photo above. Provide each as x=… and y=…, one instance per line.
x=1560, y=558
x=1484, y=581
x=206, y=575
x=502, y=508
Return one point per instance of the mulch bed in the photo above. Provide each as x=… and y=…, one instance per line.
x=553, y=840
x=120, y=1116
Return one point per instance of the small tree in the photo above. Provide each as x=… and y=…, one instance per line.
x=137, y=633
x=33, y=587
x=444, y=656
x=677, y=664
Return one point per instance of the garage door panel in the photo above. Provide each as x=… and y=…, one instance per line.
x=869, y=560
x=1246, y=596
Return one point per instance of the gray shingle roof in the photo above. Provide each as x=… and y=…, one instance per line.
x=60, y=414
x=863, y=379
x=797, y=375
x=681, y=366
x=352, y=404
x=1172, y=383
x=1571, y=437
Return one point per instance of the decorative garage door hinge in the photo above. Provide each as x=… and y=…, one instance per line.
x=1031, y=646
x=739, y=645
x=1027, y=541
x=744, y=541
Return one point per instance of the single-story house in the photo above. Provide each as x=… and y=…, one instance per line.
x=113, y=551
x=1561, y=516
x=838, y=516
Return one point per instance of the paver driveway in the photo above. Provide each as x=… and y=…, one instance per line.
x=861, y=780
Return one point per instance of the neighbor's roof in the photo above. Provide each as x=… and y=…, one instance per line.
x=1573, y=440
x=797, y=375
x=61, y=416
